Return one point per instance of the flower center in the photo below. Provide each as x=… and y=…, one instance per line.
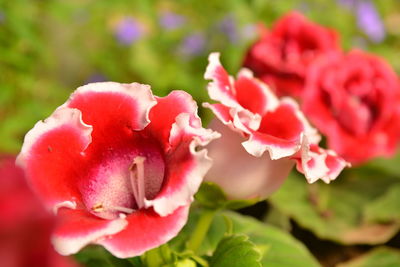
x=121, y=184
x=137, y=180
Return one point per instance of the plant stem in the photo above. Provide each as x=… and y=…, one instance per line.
x=205, y=220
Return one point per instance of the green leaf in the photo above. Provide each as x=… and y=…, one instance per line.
x=159, y=256
x=185, y=263
x=211, y=196
x=389, y=165
x=97, y=256
x=385, y=209
x=278, y=248
x=341, y=211
x=382, y=257
x=236, y=250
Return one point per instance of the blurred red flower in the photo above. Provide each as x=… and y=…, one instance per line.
x=282, y=55
x=25, y=226
x=354, y=100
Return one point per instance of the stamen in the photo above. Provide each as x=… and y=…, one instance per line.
x=137, y=180
x=100, y=208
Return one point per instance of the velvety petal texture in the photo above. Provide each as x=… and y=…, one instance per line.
x=115, y=160
x=263, y=122
x=353, y=99
x=282, y=54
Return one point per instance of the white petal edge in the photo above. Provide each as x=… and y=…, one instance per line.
x=257, y=148
x=164, y=239
x=61, y=116
x=214, y=91
x=320, y=170
x=71, y=245
x=141, y=93
x=65, y=204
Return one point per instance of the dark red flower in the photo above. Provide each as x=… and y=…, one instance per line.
x=353, y=99
x=118, y=166
x=283, y=54
x=25, y=226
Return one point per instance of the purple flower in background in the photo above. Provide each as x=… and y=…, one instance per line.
x=369, y=21
x=171, y=21
x=229, y=27
x=193, y=45
x=128, y=30
x=95, y=78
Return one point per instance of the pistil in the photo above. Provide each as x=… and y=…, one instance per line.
x=136, y=177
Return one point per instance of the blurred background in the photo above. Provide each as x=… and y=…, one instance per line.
x=48, y=48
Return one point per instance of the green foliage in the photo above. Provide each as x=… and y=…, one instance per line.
x=382, y=257
x=360, y=207
x=211, y=196
x=96, y=256
x=235, y=251
x=277, y=247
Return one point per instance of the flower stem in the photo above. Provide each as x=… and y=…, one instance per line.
x=205, y=220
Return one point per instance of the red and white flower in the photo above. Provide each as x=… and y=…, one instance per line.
x=118, y=166
x=265, y=123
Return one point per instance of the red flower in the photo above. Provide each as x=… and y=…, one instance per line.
x=118, y=166
x=354, y=100
x=264, y=122
x=282, y=56
x=25, y=226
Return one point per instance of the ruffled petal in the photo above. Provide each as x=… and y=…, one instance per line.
x=115, y=110
x=317, y=163
x=146, y=230
x=221, y=112
x=51, y=154
x=281, y=133
x=163, y=115
x=312, y=134
x=248, y=89
x=238, y=119
x=77, y=228
x=187, y=165
x=221, y=87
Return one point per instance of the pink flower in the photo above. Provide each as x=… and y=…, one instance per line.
x=118, y=166
x=262, y=122
x=353, y=99
x=25, y=226
x=283, y=54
